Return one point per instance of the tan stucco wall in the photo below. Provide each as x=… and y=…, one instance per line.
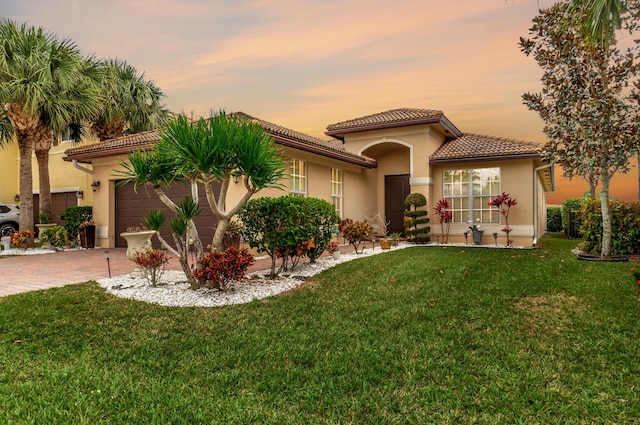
x=516, y=179
x=64, y=177
x=9, y=163
x=357, y=187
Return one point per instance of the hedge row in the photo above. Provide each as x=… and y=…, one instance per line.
x=625, y=227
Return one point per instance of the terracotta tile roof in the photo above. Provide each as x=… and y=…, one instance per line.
x=277, y=130
x=119, y=146
x=294, y=139
x=283, y=136
x=390, y=119
x=477, y=146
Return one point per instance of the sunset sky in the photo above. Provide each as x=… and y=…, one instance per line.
x=306, y=64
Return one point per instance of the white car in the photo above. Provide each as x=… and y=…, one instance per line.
x=9, y=218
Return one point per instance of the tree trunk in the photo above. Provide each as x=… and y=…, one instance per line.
x=606, y=217
x=218, y=236
x=638, y=168
x=25, y=148
x=42, y=145
x=108, y=131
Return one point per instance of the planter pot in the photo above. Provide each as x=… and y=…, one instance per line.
x=42, y=227
x=335, y=255
x=87, y=236
x=6, y=242
x=385, y=243
x=136, y=242
x=477, y=237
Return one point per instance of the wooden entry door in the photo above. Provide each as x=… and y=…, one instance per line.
x=396, y=189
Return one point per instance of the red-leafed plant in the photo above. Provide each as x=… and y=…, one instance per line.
x=445, y=216
x=504, y=202
x=21, y=239
x=356, y=232
x=152, y=263
x=635, y=271
x=218, y=269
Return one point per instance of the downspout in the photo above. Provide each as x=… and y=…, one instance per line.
x=81, y=168
x=535, y=200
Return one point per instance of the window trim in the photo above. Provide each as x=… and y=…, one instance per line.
x=493, y=212
x=300, y=178
x=337, y=184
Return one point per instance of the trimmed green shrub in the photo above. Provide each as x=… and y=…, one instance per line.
x=55, y=236
x=554, y=219
x=625, y=227
x=324, y=218
x=75, y=216
x=415, y=219
x=571, y=222
x=287, y=227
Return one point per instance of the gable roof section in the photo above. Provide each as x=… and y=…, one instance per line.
x=394, y=118
x=472, y=146
x=281, y=135
x=294, y=139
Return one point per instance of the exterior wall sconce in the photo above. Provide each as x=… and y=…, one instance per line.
x=95, y=185
x=236, y=178
x=16, y=198
x=80, y=194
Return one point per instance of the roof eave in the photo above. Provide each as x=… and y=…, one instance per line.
x=362, y=161
x=484, y=158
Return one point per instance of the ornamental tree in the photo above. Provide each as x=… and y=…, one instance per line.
x=590, y=112
x=209, y=151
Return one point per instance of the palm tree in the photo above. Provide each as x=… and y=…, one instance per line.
x=44, y=85
x=131, y=103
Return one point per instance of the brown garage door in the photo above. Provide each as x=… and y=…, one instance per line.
x=59, y=203
x=131, y=207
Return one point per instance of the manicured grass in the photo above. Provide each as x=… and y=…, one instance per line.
x=422, y=335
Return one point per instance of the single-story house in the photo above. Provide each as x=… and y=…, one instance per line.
x=367, y=166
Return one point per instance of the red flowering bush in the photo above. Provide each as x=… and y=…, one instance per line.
x=504, y=202
x=152, y=264
x=219, y=268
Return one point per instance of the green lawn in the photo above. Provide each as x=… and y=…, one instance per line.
x=421, y=335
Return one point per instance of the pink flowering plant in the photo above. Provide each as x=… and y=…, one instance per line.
x=504, y=202
x=445, y=216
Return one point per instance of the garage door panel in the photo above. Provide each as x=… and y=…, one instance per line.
x=131, y=207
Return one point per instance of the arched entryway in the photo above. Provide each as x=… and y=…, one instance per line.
x=394, y=172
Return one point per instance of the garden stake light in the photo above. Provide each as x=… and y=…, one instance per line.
x=495, y=238
x=106, y=255
x=466, y=236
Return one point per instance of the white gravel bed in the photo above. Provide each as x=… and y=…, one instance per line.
x=30, y=251
x=173, y=289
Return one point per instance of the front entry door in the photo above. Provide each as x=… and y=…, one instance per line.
x=396, y=189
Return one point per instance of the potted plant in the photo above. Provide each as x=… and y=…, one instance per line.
x=138, y=240
x=43, y=222
x=380, y=225
x=476, y=233
x=334, y=250
x=87, y=233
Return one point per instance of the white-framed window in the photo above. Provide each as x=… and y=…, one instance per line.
x=298, y=178
x=336, y=190
x=470, y=192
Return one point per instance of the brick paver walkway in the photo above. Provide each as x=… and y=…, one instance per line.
x=32, y=272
